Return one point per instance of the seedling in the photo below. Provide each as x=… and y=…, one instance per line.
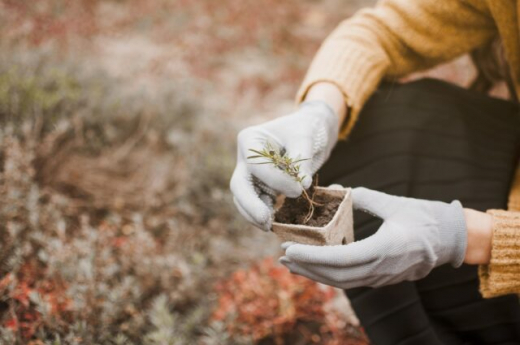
x=279, y=158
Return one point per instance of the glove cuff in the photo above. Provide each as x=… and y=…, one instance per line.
x=324, y=110
x=453, y=234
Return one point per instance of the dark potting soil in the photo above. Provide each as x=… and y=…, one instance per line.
x=294, y=211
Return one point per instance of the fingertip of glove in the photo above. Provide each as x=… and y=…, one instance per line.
x=262, y=226
x=262, y=220
x=362, y=197
x=284, y=260
x=265, y=223
x=360, y=192
x=287, y=244
x=293, y=192
x=307, y=181
x=266, y=227
x=293, y=251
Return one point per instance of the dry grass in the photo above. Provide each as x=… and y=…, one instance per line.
x=117, y=142
x=100, y=217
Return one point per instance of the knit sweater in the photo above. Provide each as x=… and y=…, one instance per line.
x=399, y=37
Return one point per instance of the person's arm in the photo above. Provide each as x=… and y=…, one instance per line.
x=415, y=237
x=309, y=134
x=330, y=94
x=480, y=233
x=400, y=37
x=395, y=38
x=494, y=244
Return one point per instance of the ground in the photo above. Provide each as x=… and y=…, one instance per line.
x=117, y=143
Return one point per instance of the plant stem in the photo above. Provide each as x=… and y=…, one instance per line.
x=310, y=200
x=310, y=213
x=278, y=158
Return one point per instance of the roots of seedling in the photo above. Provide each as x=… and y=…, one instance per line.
x=310, y=200
x=301, y=211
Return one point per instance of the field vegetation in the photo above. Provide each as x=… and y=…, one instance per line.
x=117, y=128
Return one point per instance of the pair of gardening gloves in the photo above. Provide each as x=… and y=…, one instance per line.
x=415, y=237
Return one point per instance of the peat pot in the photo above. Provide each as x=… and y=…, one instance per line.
x=339, y=230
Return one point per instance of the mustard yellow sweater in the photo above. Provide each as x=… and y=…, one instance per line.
x=399, y=37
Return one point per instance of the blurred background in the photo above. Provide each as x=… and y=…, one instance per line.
x=118, y=121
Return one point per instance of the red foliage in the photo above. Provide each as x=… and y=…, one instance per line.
x=49, y=20
x=24, y=318
x=266, y=301
x=201, y=31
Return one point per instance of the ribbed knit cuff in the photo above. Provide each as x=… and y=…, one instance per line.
x=354, y=69
x=502, y=275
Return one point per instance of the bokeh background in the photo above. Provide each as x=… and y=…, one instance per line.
x=118, y=121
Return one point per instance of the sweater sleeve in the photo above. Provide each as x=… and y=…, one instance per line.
x=502, y=275
x=393, y=39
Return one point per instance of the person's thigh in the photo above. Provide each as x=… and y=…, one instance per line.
x=392, y=314
x=430, y=141
x=450, y=297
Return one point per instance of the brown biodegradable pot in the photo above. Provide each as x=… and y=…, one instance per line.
x=338, y=231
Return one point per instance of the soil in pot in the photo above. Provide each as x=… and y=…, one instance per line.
x=294, y=211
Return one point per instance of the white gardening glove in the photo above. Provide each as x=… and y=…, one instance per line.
x=416, y=236
x=310, y=133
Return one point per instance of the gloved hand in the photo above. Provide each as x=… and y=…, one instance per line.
x=416, y=236
x=310, y=133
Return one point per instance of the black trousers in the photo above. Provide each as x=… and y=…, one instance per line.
x=432, y=140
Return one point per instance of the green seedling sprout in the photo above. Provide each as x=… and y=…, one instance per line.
x=290, y=166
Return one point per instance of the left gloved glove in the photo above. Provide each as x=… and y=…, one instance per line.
x=416, y=236
x=309, y=134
